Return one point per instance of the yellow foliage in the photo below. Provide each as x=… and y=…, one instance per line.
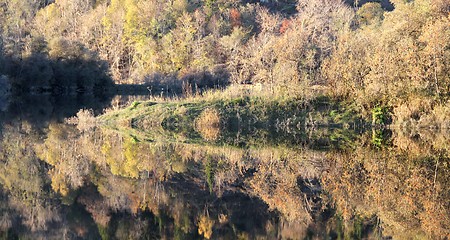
x=205, y=227
x=58, y=182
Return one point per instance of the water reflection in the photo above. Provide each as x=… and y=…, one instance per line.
x=91, y=182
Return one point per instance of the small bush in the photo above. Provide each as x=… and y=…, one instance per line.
x=84, y=120
x=208, y=124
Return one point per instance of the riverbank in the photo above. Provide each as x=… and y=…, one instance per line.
x=222, y=115
x=241, y=112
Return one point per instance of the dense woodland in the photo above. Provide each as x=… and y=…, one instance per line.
x=377, y=54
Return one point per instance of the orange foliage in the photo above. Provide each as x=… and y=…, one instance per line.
x=285, y=25
x=235, y=17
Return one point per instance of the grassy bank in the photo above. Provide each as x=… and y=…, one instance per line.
x=243, y=116
x=224, y=116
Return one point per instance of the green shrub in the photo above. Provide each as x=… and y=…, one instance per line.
x=381, y=115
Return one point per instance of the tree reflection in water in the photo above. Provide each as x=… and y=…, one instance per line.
x=99, y=182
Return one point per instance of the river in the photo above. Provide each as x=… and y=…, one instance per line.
x=65, y=181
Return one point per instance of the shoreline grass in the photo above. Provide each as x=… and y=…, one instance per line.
x=237, y=114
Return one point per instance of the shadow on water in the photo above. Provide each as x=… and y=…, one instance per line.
x=43, y=108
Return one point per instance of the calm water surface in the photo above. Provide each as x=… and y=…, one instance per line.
x=62, y=181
